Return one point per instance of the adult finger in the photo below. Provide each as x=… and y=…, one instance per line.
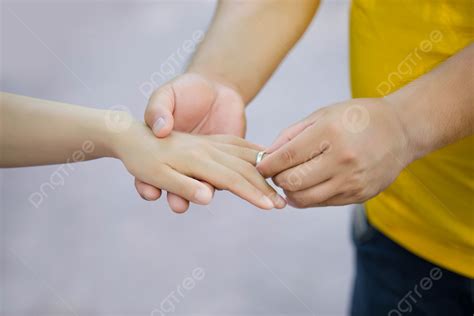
x=146, y=191
x=307, y=174
x=337, y=200
x=314, y=195
x=299, y=150
x=159, y=111
x=288, y=134
x=291, y=132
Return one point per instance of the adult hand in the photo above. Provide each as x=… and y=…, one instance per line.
x=196, y=104
x=341, y=154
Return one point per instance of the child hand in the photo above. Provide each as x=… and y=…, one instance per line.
x=177, y=162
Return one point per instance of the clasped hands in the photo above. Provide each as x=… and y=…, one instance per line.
x=341, y=154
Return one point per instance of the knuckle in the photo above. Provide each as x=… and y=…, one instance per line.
x=287, y=156
x=348, y=157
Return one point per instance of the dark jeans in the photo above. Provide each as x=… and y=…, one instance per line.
x=391, y=281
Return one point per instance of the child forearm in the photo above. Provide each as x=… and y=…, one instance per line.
x=39, y=132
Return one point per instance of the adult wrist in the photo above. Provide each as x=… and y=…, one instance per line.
x=412, y=123
x=220, y=79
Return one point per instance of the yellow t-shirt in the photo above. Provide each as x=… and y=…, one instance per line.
x=429, y=208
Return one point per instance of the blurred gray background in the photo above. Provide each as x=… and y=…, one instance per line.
x=93, y=246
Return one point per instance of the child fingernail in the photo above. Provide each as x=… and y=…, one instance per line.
x=203, y=196
x=159, y=124
x=266, y=202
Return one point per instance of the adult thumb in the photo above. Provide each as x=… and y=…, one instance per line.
x=159, y=111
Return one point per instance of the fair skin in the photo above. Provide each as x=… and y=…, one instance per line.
x=200, y=106
x=211, y=97
x=41, y=132
x=323, y=159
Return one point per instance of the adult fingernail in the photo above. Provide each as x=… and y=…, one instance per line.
x=203, y=196
x=160, y=122
x=266, y=202
x=279, y=201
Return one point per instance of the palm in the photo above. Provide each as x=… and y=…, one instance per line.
x=196, y=105
x=204, y=107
